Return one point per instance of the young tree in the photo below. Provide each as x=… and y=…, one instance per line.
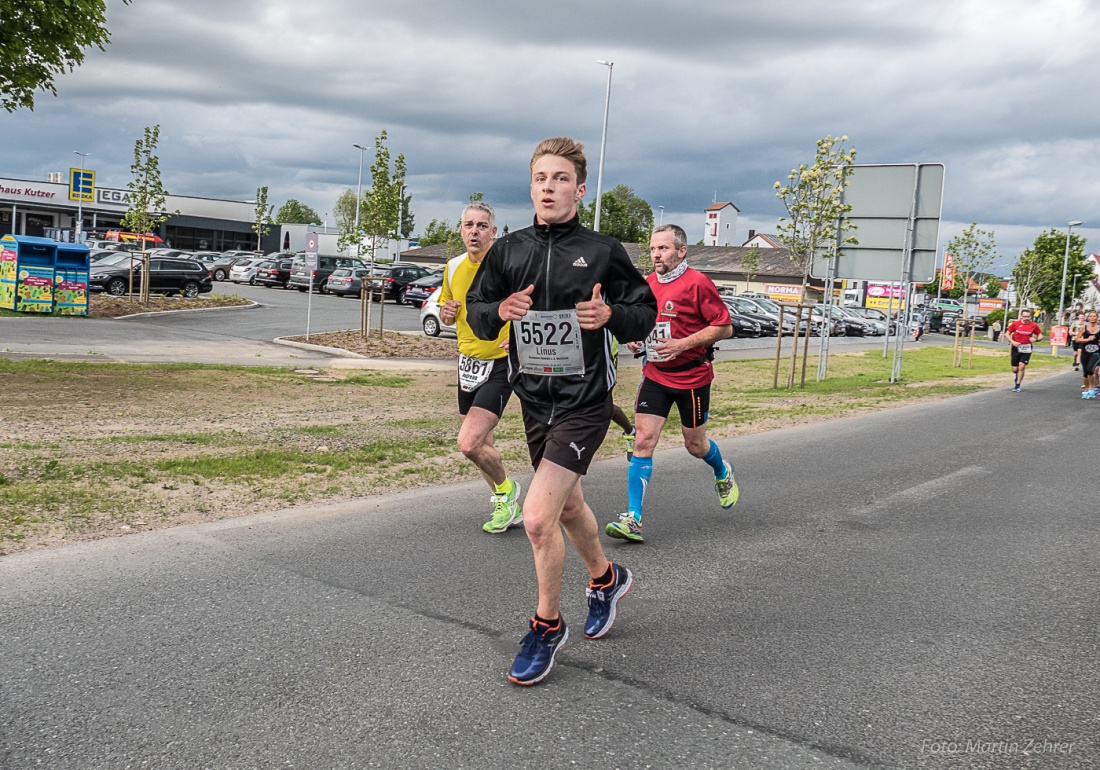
x=623, y=215
x=974, y=251
x=1039, y=269
x=40, y=39
x=147, y=196
x=438, y=231
x=750, y=263
x=380, y=214
x=294, y=212
x=262, y=225
x=816, y=217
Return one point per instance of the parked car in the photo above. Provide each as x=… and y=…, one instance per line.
x=393, y=279
x=417, y=292
x=300, y=277
x=769, y=324
x=186, y=277
x=220, y=267
x=429, y=316
x=171, y=253
x=115, y=258
x=244, y=269
x=856, y=325
x=347, y=281
x=876, y=316
x=951, y=321
x=275, y=272
x=743, y=326
x=106, y=245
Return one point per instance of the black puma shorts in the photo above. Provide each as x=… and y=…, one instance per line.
x=573, y=438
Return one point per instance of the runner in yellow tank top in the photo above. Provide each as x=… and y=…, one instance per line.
x=483, y=387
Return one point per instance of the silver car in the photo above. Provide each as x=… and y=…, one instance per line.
x=429, y=316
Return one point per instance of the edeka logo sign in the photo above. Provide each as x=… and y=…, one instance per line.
x=117, y=197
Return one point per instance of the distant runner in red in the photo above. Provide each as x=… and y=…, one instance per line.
x=1022, y=334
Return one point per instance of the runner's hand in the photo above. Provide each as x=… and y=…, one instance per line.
x=634, y=347
x=515, y=306
x=449, y=311
x=593, y=313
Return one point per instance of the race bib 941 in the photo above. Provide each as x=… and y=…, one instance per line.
x=548, y=343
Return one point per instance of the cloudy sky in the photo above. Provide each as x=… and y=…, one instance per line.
x=711, y=99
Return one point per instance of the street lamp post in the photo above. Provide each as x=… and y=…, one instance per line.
x=358, y=195
x=80, y=198
x=1065, y=265
x=662, y=220
x=603, y=143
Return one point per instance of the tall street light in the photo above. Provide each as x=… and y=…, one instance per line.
x=1065, y=264
x=662, y=220
x=358, y=195
x=80, y=198
x=603, y=143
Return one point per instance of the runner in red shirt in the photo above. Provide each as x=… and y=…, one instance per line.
x=1022, y=334
x=691, y=317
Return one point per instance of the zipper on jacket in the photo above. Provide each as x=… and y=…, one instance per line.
x=549, y=252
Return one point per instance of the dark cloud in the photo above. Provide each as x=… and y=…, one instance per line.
x=709, y=100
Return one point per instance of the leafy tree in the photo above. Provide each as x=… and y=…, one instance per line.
x=1038, y=271
x=262, y=225
x=623, y=215
x=993, y=287
x=974, y=250
x=295, y=212
x=147, y=195
x=42, y=38
x=438, y=231
x=344, y=214
x=816, y=217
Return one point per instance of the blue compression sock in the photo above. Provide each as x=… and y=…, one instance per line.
x=641, y=469
x=713, y=458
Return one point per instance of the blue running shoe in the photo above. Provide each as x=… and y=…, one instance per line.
x=602, y=601
x=536, y=652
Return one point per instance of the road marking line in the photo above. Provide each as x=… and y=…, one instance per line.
x=924, y=491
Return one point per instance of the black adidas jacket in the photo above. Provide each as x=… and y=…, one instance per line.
x=564, y=262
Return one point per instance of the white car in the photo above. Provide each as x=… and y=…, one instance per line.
x=429, y=316
x=244, y=269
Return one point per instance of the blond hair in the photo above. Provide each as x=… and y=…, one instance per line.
x=566, y=148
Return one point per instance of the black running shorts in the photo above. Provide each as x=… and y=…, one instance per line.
x=492, y=395
x=693, y=403
x=1020, y=358
x=572, y=439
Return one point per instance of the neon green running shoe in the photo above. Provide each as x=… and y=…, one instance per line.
x=506, y=511
x=727, y=488
x=628, y=439
x=626, y=528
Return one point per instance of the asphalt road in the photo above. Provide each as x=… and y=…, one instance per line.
x=914, y=588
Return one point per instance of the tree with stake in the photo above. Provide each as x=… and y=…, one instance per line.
x=147, y=197
x=974, y=251
x=816, y=216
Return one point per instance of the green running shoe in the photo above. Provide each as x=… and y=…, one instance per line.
x=626, y=528
x=506, y=511
x=727, y=488
x=628, y=439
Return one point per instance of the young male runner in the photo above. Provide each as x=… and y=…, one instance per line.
x=566, y=290
x=483, y=388
x=1022, y=334
x=691, y=317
